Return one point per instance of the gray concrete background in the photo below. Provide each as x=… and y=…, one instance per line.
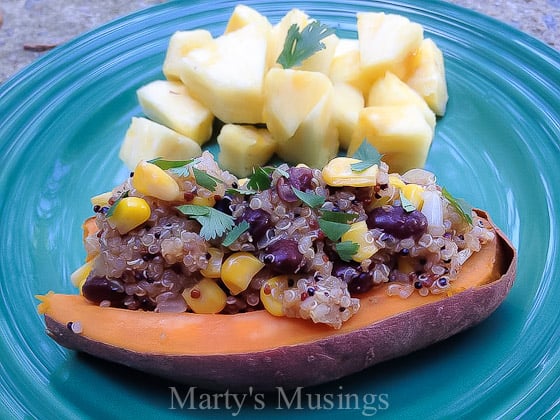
x=27, y=27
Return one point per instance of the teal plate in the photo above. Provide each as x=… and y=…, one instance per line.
x=63, y=119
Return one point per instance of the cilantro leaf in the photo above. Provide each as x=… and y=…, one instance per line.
x=260, y=180
x=311, y=199
x=406, y=203
x=368, y=155
x=333, y=230
x=461, y=205
x=235, y=233
x=182, y=171
x=168, y=164
x=240, y=191
x=214, y=223
x=337, y=216
x=205, y=180
x=346, y=250
x=301, y=45
x=111, y=209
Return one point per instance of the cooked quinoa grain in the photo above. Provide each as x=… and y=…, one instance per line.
x=328, y=245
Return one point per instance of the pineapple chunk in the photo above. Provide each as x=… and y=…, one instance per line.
x=298, y=114
x=290, y=95
x=226, y=75
x=386, y=40
x=180, y=43
x=345, y=66
x=399, y=132
x=244, y=15
x=315, y=142
x=244, y=147
x=320, y=61
x=347, y=104
x=169, y=103
x=146, y=139
x=428, y=76
x=390, y=90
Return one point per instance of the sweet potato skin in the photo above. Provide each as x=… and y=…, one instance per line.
x=321, y=360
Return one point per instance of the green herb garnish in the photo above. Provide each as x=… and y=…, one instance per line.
x=301, y=45
x=214, y=222
x=346, y=250
x=235, y=233
x=111, y=209
x=240, y=191
x=204, y=180
x=406, y=203
x=260, y=179
x=368, y=155
x=169, y=164
x=311, y=199
x=333, y=230
x=460, y=205
x=337, y=216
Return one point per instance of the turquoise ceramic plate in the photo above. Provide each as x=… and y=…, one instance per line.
x=62, y=122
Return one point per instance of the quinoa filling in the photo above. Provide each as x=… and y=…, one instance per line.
x=295, y=241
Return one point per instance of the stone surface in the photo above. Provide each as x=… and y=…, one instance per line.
x=27, y=27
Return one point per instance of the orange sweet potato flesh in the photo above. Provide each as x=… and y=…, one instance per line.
x=259, y=350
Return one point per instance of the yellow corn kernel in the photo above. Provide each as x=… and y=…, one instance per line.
x=338, y=173
x=214, y=268
x=80, y=274
x=270, y=300
x=129, y=213
x=206, y=297
x=359, y=234
x=395, y=181
x=203, y=201
x=415, y=194
x=238, y=270
x=151, y=180
x=101, y=200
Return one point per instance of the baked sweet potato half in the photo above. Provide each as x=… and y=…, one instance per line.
x=257, y=349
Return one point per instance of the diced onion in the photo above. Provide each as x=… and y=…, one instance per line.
x=433, y=210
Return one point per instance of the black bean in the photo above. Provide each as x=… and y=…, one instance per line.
x=300, y=178
x=357, y=280
x=98, y=289
x=259, y=222
x=223, y=204
x=283, y=256
x=284, y=190
x=397, y=222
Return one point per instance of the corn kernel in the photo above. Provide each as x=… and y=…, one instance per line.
x=80, y=274
x=101, y=200
x=206, y=297
x=359, y=234
x=415, y=194
x=395, y=181
x=129, y=213
x=338, y=173
x=153, y=181
x=271, y=304
x=203, y=201
x=238, y=270
x=214, y=268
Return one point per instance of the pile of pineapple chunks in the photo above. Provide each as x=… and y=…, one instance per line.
x=387, y=86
